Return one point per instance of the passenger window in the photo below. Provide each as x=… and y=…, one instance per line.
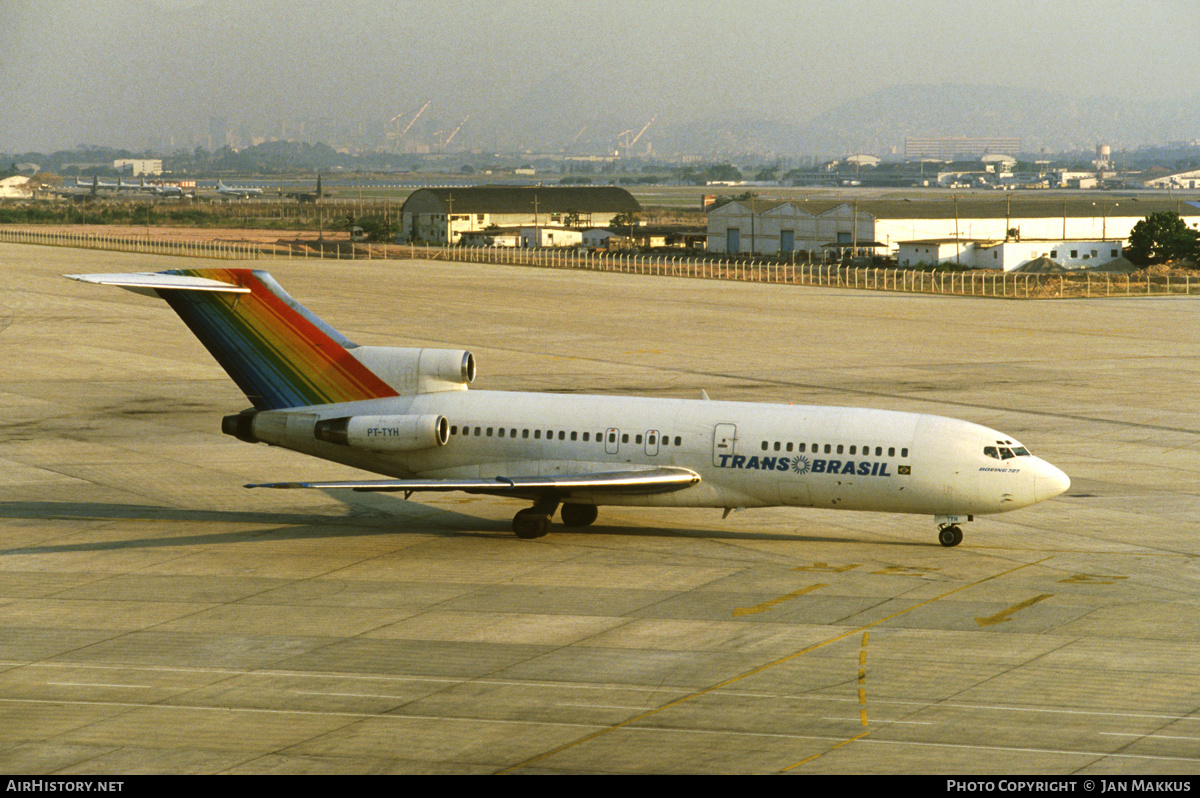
x=612, y=437
x=537, y=434
x=904, y=452
x=489, y=432
x=879, y=451
x=789, y=446
x=574, y=436
x=828, y=448
x=500, y=432
x=651, y=440
x=625, y=437
x=891, y=451
x=524, y=433
x=454, y=430
x=678, y=441
x=562, y=435
x=839, y=449
x=637, y=439
x=477, y=431
x=852, y=450
x=764, y=446
x=585, y=436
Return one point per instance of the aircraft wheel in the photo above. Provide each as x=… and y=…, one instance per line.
x=950, y=536
x=578, y=514
x=530, y=523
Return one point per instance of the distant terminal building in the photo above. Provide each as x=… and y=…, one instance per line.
x=446, y=215
x=949, y=148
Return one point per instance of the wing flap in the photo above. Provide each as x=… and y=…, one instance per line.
x=653, y=480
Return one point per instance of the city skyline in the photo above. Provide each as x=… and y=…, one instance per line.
x=512, y=76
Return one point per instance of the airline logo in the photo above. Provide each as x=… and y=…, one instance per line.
x=801, y=465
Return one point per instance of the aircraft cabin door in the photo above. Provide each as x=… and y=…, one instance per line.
x=724, y=441
x=652, y=442
x=612, y=437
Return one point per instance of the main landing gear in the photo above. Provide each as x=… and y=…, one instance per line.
x=534, y=522
x=949, y=533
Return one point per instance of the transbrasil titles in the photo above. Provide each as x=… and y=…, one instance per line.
x=802, y=465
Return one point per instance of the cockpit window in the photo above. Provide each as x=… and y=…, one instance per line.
x=1005, y=452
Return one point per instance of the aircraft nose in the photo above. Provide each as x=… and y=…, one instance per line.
x=1048, y=482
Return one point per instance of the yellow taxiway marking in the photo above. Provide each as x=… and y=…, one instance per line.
x=766, y=666
x=826, y=567
x=766, y=605
x=1003, y=615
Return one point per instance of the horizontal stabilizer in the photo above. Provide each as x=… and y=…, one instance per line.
x=652, y=480
x=159, y=281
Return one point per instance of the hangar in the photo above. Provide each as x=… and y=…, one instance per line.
x=772, y=227
x=444, y=215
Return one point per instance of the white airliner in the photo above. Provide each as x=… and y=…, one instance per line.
x=232, y=191
x=407, y=414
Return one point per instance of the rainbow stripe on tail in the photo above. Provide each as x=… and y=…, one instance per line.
x=276, y=350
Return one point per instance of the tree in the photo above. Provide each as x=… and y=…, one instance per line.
x=1162, y=236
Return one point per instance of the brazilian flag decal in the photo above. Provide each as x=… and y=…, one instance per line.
x=904, y=470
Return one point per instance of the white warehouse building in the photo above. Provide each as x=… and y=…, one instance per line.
x=763, y=227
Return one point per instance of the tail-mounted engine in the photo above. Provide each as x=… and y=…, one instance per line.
x=411, y=371
x=385, y=433
x=404, y=433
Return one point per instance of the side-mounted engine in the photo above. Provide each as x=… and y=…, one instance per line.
x=385, y=433
x=300, y=430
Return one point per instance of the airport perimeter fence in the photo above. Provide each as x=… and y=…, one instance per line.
x=999, y=285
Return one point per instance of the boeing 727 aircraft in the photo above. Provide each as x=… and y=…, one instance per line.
x=407, y=414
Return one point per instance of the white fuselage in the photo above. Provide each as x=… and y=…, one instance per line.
x=747, y=454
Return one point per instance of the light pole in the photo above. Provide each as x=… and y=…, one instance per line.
x=1104, y=219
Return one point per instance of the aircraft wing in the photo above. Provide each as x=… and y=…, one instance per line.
x=651, y=480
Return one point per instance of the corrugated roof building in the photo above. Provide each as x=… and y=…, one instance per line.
x=443, y=215
x=765, y=227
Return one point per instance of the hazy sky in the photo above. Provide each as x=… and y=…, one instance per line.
x=123, y=72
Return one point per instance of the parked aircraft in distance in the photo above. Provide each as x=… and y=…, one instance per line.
x=406, y=413
x=95, y=185
x=243, y=193
x=165, y=190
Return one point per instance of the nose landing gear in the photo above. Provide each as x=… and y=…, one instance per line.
x=949, y=533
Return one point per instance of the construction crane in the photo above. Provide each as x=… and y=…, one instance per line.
x=645, y=127
x=629, y=142
x=400, y=133
x=455, y=133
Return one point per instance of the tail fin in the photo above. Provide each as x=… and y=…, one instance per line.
x=276, y=350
